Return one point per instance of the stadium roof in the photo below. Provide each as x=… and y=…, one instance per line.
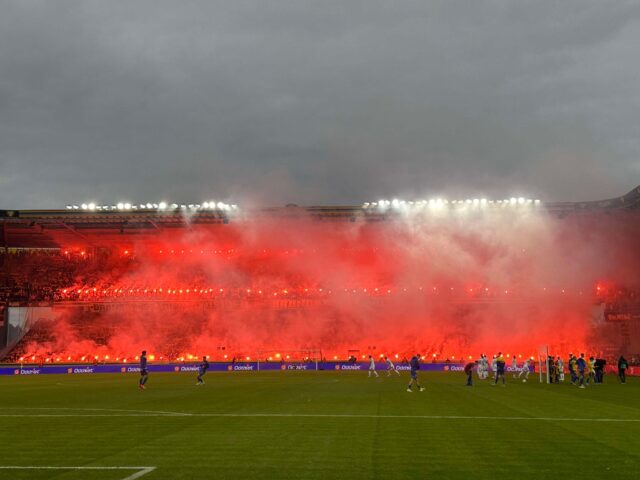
x=56, y=228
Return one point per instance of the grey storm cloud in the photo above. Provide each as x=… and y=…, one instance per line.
x=332, y=102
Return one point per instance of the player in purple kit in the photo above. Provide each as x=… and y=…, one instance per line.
x=144, y=374
x=202, y=369
x=415, y=366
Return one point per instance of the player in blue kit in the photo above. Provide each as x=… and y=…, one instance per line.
x=415, y=366
x=202, y=369
x=144, y=374
x=581, y=363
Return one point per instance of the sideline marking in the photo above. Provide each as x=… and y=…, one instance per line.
x=118, y=410
x=155, y=413
x=141, y=470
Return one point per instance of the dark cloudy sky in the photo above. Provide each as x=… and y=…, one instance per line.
x=316, y=101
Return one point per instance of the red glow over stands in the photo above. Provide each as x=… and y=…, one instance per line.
x=131, y=292
x=447, y=284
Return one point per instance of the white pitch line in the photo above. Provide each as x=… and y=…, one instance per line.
x=90, y=415
x=141, y=470
x=320, y=415
x=118, y=410
x=139, y=474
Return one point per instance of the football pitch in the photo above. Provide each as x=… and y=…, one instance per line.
x=314, y=425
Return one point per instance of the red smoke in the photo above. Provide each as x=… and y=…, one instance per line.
x=450, y=283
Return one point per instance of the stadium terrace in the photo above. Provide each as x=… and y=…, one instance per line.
x=450, y=279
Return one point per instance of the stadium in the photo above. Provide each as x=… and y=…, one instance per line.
x=290, y=306
x=303, y=240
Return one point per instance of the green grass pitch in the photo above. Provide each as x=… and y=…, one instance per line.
x=316, y=425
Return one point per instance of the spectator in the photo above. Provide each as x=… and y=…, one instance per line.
x=622, y=369
x=468, y=369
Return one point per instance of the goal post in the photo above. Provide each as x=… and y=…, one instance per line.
x=543, y=363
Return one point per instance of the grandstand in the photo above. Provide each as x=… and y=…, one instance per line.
x=109, y=280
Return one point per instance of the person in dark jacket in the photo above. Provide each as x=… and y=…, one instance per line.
x=202, y=369
x=622, y=369
x=415, y=366
x=468, y=369
x=144, y=373
x=599, y=365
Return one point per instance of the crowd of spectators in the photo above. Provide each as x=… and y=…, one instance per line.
x=29, y=276
x=622, y=303
x=47, y=276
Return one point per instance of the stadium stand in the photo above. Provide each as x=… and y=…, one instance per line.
x=72, y=257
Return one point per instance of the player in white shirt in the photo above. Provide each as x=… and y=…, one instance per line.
x=494, y=367
x=372, y=366
x=482, y=367
x=485, y=361
x=525, y=371
x=560, y=369
x=514, y=366
x=390, y=367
